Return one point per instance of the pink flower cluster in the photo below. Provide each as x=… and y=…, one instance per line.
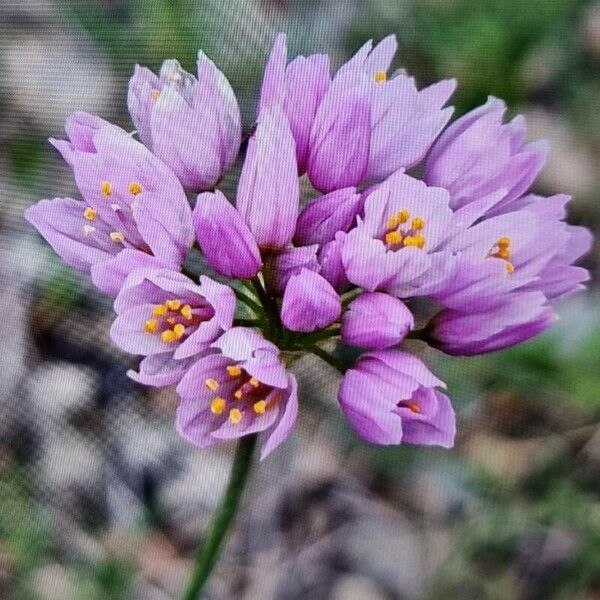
x=358, y=261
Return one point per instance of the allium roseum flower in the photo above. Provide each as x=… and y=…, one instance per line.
x=464, y=258
x=297, y=88
x=168, y=318
x=396, y=246
x=368, y=126
x=243, y=388
x=134, y=214
x=503, y=288
x=389, y=397
x=193, y=125
x=478, y=155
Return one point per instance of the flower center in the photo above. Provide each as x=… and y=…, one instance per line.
x=172, y=320
x=413, y=406
x=501, y=250
x=249, y=395
x=402, y=232
x=125, y=212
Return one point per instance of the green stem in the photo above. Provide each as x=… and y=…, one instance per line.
x=328, y=358
x=248, y=322
x=242, y=297
x=208, y=554
x=268, y=303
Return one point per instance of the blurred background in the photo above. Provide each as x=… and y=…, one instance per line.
x=100, y=499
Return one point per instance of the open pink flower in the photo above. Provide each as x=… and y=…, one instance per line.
x=168, y=318
x=240, y=389
x=134, y=214
x=389, y=397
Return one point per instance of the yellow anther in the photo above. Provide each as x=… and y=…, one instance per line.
x=503, y=253
x=235, y=416
x=90, y=214
x=504, y=242
x=410, y=240
x=509, y=267
x=238, y=394
x=217, y=406
x=418, y=223
x=135, y=188
x=106, y=188
x=154, y=94
x=117, y=237
x=173, y=304
x=168, y=336
x=393, y=237
x=254, y=382
x=380, y=76
x=150, y=325
x=186, y=312
x=403, y=216
x=259, y=407
x=420, y=241
x=414, y=407
x=393, y=222
x=179, y=330
x=211, y=384
x=160, y=310
x=233, y=371
x=88, y=229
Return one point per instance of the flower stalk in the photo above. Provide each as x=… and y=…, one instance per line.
x=208, y=554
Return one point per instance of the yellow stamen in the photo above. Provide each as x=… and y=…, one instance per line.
x=417, y=223
x=410, y=240
x=88, y=229
x=254, y=382
x=179, y=330
x=235, y=416
x=168, y=336
x=150, y=325
x=414, y=407
x=154, y=94
x=420, y=241
x=135, y=188
x=117, y=237
x=503, y=253
x=186, y=312
x=509, y=267
x=211, y=384
x=504, y=242
x=106, y=188
x=160, y=310
x=173, y=304
x=233, y=371
x=217, y=406
x=90, y=214
x=380, y=76
x=393, y=222
x=260, y=407
x=403, y=216
x=393, y=237
x=238, y=394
